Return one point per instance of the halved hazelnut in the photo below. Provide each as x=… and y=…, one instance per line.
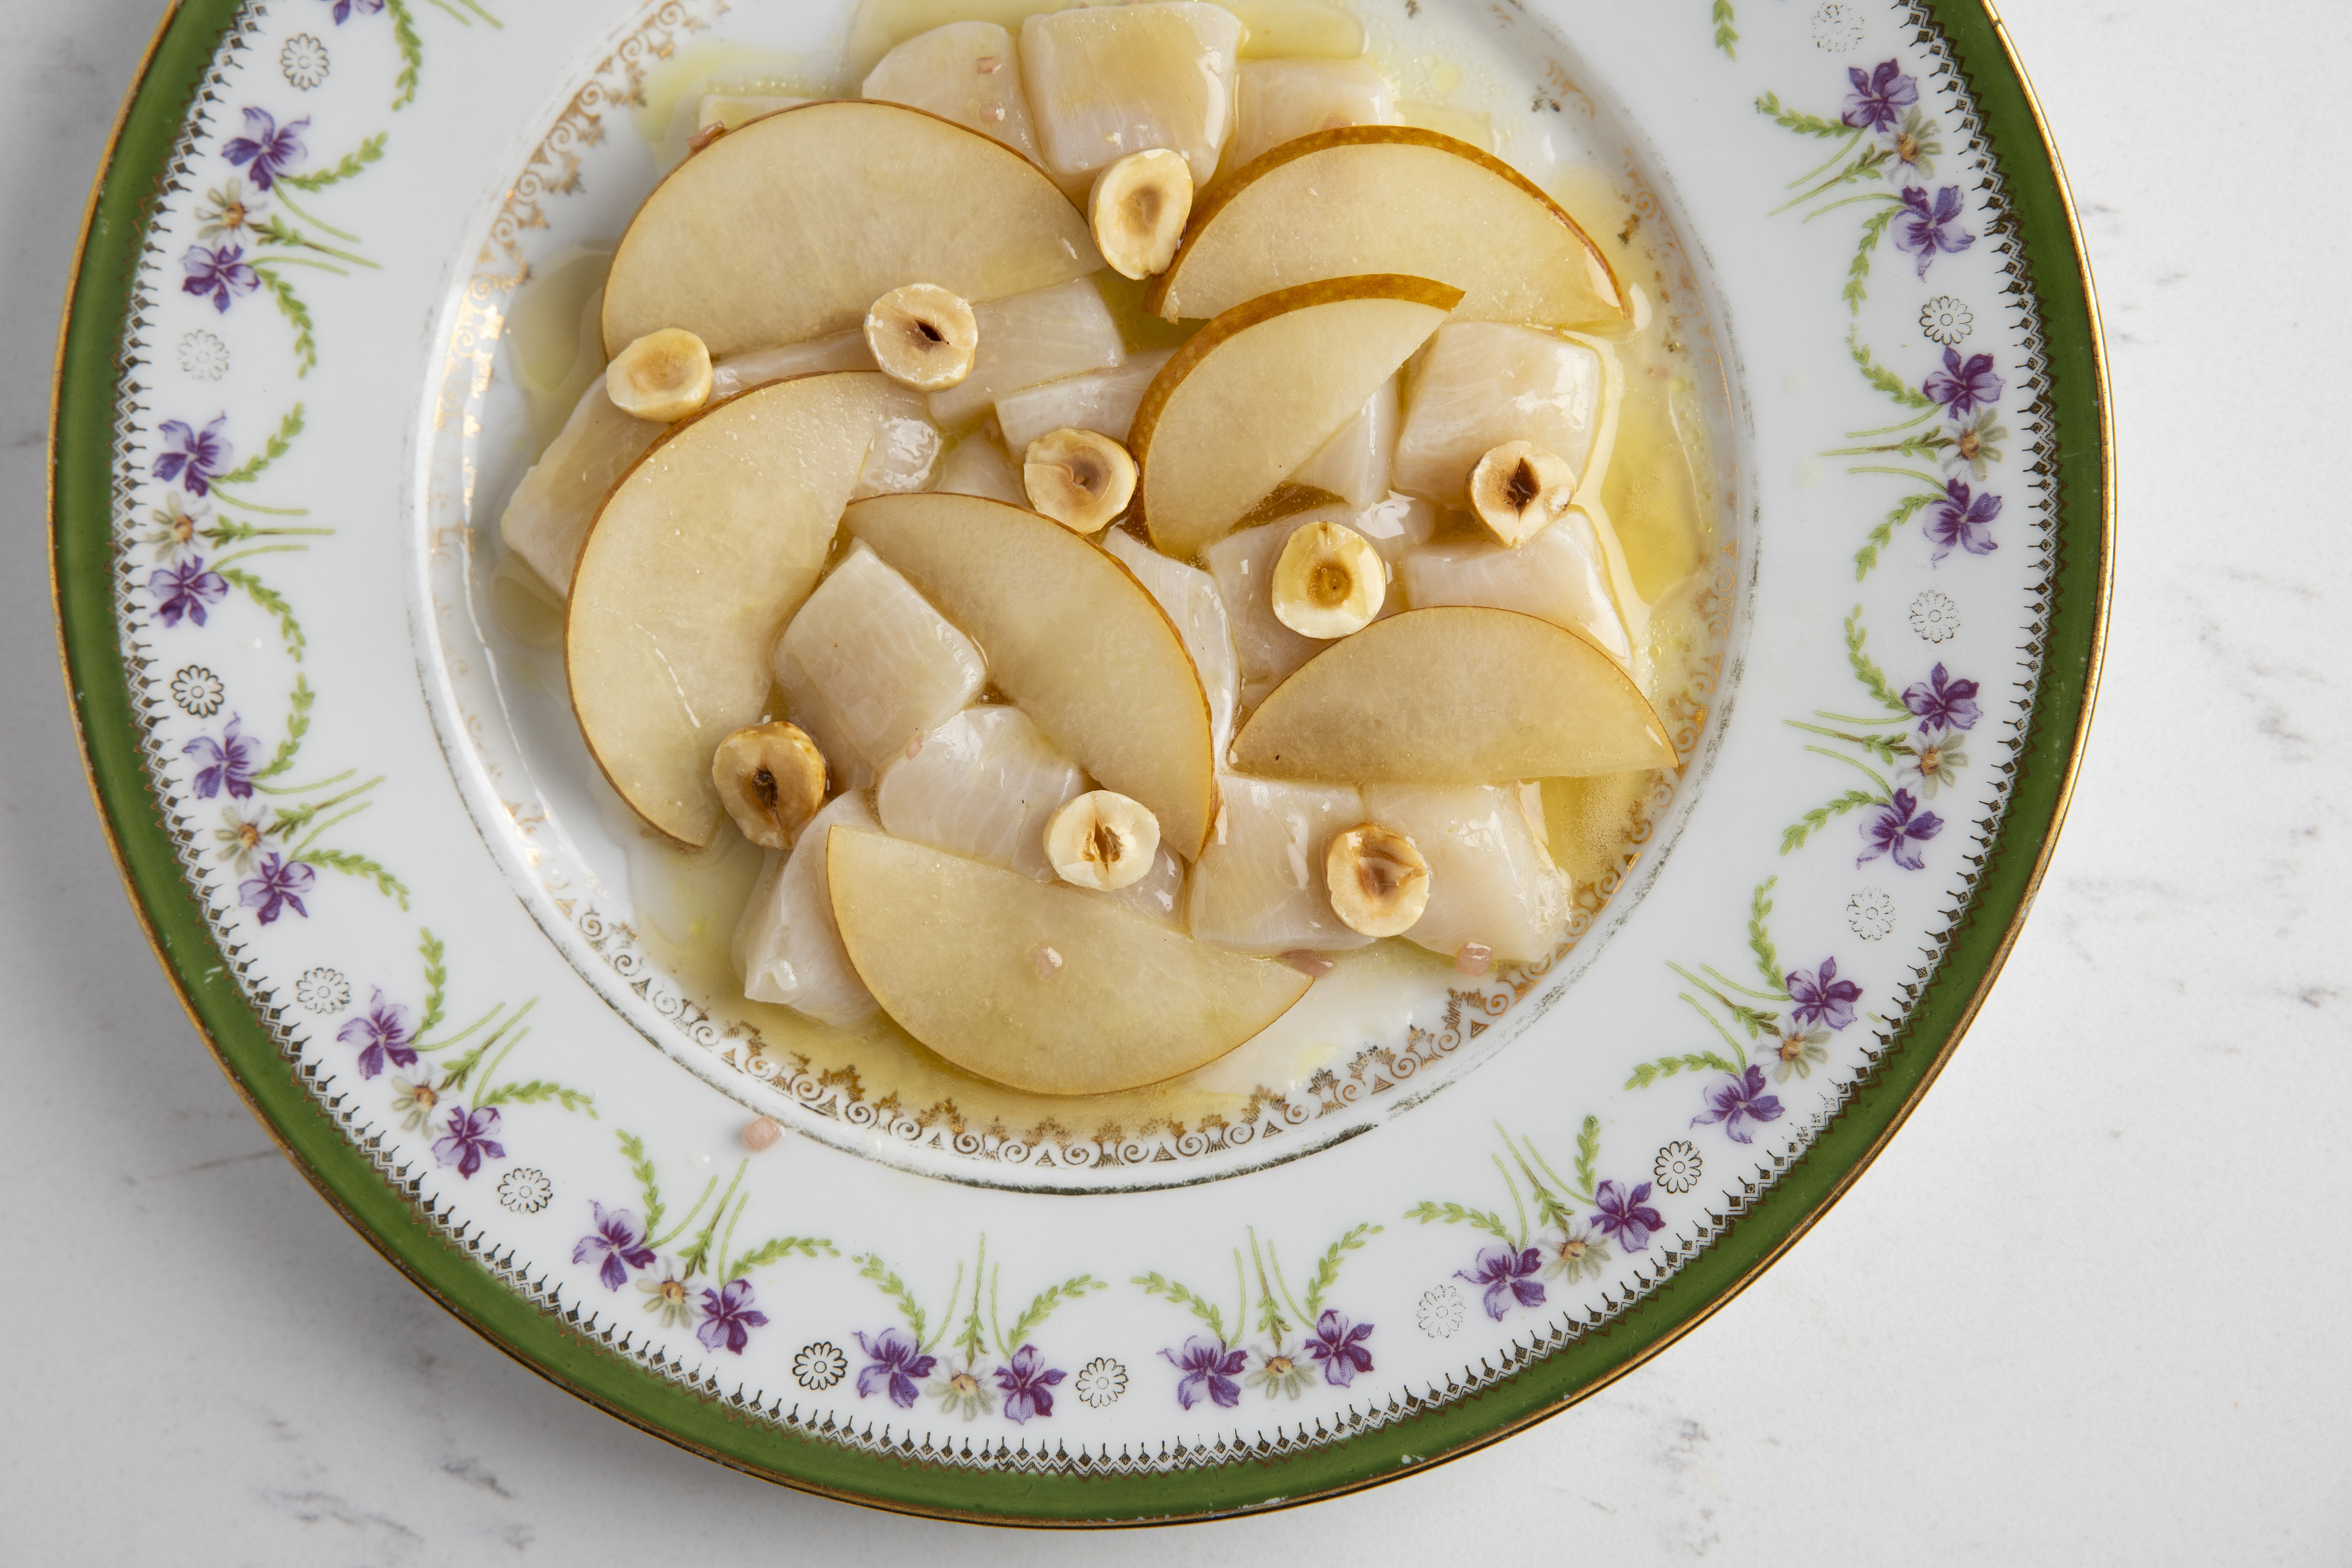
x=1080, y=478
x=662, y=376
x=1102, y=840
x=1138, y=208
x=1518, y=489
x=923, y=336
x=771, y=777
x=1379, y=879
x=1328, y=582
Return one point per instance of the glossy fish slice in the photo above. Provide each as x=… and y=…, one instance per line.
x=907, y=451
x=977, y=465
x=1490, y=882
x=1027, y=340
x=1107, y=81
x=547, y=519
x=1481, y=384
x=887, y=664
x=1283, y=99
x=982, y=786
x=1258, y=886
x=1355, y=464
x=786, y=948
x=1558, y=576
x=1190, y=597
x=1102, y=400
x=965, y=71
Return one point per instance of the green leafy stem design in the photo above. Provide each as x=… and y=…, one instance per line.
x=1272, y=1292
x=709, y=1250
x=1732, y=999
x=1555, y=1197
x=1855, y=159
x=1974, y=443
x=300, y=824
x=1867, y=733
x=973, y=1334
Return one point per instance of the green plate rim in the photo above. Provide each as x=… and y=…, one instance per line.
x=88, y=381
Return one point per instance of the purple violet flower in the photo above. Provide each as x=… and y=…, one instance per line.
x=1923, y=230
x=1822, y=997
x=1627, y=1216
x=267, y=147
x=1963, y=387
x=1504, y=1269
x=1208, y=1368
x=1892, y=828
x=1027, y=1384
x=1942, y=703
x=1340, y=1348
x=186, y=590
x=729, y=1318
x=471, y=1139
x=277, y=888
x=1737, y=1101
x=343, y=8
x=229, y=763
x=897, y=1361
x=1959, y=519
x=222, y=273
x=620, y=1242
x=193, y=458
x=1879, y=99
x=383, y=1034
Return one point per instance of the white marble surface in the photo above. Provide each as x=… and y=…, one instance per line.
x=2073, y=1315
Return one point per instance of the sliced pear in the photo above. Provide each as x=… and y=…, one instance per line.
x=790, y=226
x=1390, y=199
x=1071, y=636
x=1045, y=988
x=1454, y=696
x=1261, y=389
x=702, y=553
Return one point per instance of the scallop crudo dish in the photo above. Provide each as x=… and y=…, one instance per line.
x=1127, y=521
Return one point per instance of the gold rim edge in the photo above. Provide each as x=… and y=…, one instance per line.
x=2093, y=671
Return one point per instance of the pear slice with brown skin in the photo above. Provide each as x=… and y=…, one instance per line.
x=1043, y=988
x=1260, y=389
x=1454, y=696
x=1390, y=199
x=1071, y=638
x=790, y=226
x=700, y=555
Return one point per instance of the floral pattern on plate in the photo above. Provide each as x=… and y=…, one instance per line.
x=252, y=660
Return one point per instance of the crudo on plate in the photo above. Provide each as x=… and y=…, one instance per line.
x=1131, y=521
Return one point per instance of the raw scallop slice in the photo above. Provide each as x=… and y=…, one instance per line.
x=888, y=665
x=964, y=71
x=1480, y=384
x=786, y=947
x=1110, y=80
x=1032, y=339
x=982, y=786
x=1559, y=575
x=1490, y=882
x=1191, y=598
x=1259, y=885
